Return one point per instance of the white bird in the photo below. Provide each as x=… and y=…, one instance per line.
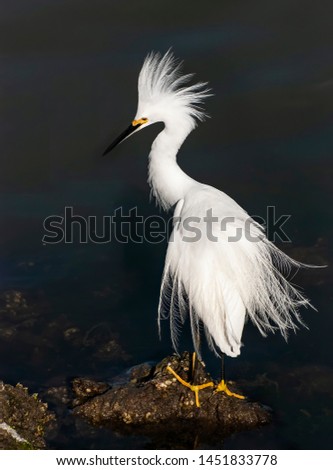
x=220, y=268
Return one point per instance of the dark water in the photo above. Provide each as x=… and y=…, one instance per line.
x=68, y=86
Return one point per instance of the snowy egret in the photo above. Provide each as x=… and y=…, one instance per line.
x=220, y=268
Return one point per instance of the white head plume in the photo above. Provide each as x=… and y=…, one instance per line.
x=162, y=94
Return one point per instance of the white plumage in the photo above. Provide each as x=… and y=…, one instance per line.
x=220, y=282
x=231, y=270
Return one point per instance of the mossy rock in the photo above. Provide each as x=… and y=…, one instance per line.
x=154, y=400
x=23, y=418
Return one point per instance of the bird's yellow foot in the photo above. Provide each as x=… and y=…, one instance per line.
x=194, y=388
x=223, y=387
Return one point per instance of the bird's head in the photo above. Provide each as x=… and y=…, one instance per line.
x=164, y=98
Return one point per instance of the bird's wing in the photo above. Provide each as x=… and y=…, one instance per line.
x=220, y=265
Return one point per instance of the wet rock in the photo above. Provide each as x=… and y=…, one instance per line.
x=141, y=372
x=15, y=308
x=13, y=303
x=73, y=335
x=41, y=340
x=155, y=398
x=86, y=388
x=23, y=418
x=58, y=395
x=104, y=344
x=16, y=313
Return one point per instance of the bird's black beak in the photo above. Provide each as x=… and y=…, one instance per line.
x=135, y=125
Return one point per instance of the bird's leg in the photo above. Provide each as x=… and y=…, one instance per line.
x=192, y=386
x=194, y=362
x=194, y=368
x=222, y=386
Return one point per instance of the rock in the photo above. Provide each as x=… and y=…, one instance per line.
x=15, y=308
x=157, y=399
x=57, y=395
x=34, y=333
x=23, y=418
x=104, y=344
x=85, y=388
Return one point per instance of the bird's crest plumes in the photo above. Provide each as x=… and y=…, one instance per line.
x=161, y=83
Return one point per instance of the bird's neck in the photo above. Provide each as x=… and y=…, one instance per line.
x=169, y=183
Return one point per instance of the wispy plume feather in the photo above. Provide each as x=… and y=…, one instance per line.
x=161, y=80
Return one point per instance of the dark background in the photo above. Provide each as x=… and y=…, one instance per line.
x=68, y=87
